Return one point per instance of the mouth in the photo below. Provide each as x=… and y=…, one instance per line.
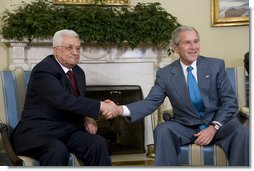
x=74, y=57
x=192, y=53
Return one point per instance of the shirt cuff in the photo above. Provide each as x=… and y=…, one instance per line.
x=216, y=122
x=126, y=111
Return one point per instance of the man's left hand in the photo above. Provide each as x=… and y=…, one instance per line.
x=205, y=136
x=90, y=125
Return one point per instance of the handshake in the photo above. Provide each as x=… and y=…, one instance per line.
x=110, y=110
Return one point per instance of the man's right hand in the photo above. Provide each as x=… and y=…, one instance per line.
x=110, y=109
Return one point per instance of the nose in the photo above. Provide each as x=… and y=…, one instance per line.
x=193, y=45
x=75, y=50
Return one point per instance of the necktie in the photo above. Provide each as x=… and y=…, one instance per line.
x=73, y=82
x=195, y=95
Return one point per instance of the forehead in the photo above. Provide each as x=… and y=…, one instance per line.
x=70, y=40
x=188, y=35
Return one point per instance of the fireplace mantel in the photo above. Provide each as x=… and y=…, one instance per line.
x=102, y=65
x=26, y=54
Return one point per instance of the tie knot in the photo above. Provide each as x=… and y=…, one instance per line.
x=70, y=74
x=189, y=68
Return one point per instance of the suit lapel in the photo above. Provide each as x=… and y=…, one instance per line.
x=78, y=81
x=204, y=79
x=178, y=81
x=63, y=78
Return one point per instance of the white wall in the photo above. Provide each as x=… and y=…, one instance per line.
x=228, y=43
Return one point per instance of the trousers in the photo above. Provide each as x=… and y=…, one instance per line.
x=89, y=148
x=232, y=137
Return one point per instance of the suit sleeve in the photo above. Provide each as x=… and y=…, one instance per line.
x=154, y=99
x=227, y=104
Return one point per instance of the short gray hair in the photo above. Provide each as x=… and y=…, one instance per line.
x=178, y=30
x=58, y=36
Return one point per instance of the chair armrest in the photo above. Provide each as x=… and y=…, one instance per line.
x=168, y=115
x=245, y=111
x=15, y=160
x=243, y=115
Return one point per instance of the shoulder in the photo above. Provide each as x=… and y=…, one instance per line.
x=77, y=69
x=172, y=67
x=48, y=66
x=48, y=63
x=210, y=62
x=213, y=60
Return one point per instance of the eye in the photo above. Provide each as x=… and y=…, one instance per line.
x=69, y=48
x=187, y=43
x=196, y=41
x=78, y=48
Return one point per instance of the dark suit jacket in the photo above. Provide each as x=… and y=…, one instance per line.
x=218, y=95
x=51, y=110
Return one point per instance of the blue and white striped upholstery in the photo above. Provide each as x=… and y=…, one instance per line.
x=12, y=95
x=196, y=155
x=13, y=88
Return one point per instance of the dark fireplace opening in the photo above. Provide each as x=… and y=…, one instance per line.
x=122, y=137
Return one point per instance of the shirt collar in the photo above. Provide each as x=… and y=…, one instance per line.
x=194, y=65
x=63, y=67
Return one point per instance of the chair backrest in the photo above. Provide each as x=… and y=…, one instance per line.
x=237, y=78
x=12, y=94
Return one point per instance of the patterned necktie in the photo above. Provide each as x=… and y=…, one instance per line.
x=195, y=95
x=73, y=82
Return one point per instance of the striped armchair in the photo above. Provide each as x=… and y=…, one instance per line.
x=12, y=95
x=213, y=155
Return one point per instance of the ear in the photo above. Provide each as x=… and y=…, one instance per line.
x=54, y=51
x=175, y=48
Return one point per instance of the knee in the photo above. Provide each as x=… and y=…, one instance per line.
x=100, y=142
x=243, y=132
x=58, y=148
x=55, y=154
x=240, y=129
x=161, y=129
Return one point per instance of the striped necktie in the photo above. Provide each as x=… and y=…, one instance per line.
x=73, y=82
x=195, y=95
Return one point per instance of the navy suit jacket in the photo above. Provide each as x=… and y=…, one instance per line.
x=51, y=110
x=218, y=95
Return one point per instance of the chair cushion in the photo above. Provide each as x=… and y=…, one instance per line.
x=28, y=161
x=202, y=155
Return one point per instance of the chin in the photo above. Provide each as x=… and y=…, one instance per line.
x=193, y=58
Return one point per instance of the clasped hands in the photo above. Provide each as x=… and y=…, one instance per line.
x=110, y=110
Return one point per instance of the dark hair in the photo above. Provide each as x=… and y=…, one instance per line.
x=246, y=61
